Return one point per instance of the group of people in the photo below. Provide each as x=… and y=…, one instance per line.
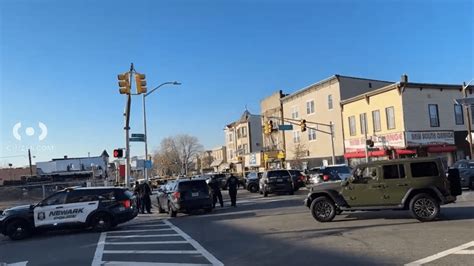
x=232, y=184
x=143, y=192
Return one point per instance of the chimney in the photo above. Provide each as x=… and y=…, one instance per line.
x=404, y=78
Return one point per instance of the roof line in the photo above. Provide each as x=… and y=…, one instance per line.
x=309, y=87
x=379, y=80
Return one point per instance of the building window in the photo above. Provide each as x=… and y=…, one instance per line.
x=312, y=134
x=458, y=114
x=352, y=125
x=434, y=116
x=245, y=148
x=376, y=120
x=296, y=136
x=363, y=123
x=390, y=112
x=231, y=137
x=310, y=107
x=244, y=132
x=294, y=112
x=330, y=102
x=472, y=112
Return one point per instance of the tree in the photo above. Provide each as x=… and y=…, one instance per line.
x=188, y=149
x=176, y=154
x=299, y=152
x=167, y=160
x=206, y=160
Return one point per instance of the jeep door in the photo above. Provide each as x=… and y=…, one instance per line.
x=395, y=184
x=365, y=188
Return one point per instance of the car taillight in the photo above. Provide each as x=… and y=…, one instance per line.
x=325, y=177
x=176, y=195
x=127, y=203
x=302, y=178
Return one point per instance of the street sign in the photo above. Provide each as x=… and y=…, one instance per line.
x=137, y=139
x=285, y=127
x=138, y=135
x=148, y=164
x=281, y=155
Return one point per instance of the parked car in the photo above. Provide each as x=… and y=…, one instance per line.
x=276, y=181
x=222, y=179
x=330, y=173
x=99, y=208
x=184, y=196
x=252, y=181
x=418, y=185
x=466, y=172
x=299, y=179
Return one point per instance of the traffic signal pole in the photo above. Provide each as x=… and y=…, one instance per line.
x=146, y=138
x=127, y=133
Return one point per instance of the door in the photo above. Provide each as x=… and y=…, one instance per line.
x=365, y=189
x=394, y=184
x=44, y=212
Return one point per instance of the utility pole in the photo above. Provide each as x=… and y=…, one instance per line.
x=29, y=158
x=127, y=132
x=468, y=117
x=333, y=157
x=145, y=170
x=283, y=134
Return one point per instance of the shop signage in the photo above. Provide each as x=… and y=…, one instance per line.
x=416, y=138
x=382, y=141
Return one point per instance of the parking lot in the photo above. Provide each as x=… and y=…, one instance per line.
x=276, y=230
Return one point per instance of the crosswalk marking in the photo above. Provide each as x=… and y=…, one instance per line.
x=147, y=254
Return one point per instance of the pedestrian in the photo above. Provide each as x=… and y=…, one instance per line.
x=145, y=193
x=233, y=183
x=136, y=192
x=215, y=186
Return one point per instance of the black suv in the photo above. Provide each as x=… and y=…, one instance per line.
x=418, y=185
x=184, y=196
x=276, y=181
x=466, y=172
x=251, y=181
x=100, y=208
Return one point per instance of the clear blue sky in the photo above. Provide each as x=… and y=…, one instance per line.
x=60, y=59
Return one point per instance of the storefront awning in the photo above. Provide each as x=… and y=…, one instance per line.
x=441, y=149
x=405, y=152
x=361, y=154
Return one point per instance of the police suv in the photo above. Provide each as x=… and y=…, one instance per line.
x=99, y=208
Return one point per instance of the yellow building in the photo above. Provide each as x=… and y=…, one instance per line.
x=406, y=119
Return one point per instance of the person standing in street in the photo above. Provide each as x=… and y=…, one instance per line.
x=145, y=193
x=136, y=192
x=232, y=184
x=216, y=192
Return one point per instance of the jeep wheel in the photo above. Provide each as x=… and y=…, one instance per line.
x=323, y=209
x=253, y=188
x=424, y=207
x=101, y=222
x=17, y=230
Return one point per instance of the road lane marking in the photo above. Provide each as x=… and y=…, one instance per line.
x=121, y=263
x=196, y=245
x=465, y=252
x=147, y=230
x=143, y=236
x=97, y=261
x=151, y=252
x=145, y=225
x=146, y=243
x=442, y=254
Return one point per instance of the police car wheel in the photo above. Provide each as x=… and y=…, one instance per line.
x=17, y=230
x=101, y=222
x=171, y=212
x=160, y=210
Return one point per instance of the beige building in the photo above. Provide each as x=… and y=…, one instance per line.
x=274, y=143
x=406, y=119
x=242, y=137
x=319, y=105
x=219, y=156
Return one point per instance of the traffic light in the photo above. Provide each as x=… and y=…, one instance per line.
x=303, y=125
x=268, y=127
x=124, y=83
x=141, y=83
x=118, y=153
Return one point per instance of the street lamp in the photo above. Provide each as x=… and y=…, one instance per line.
x=144, y=119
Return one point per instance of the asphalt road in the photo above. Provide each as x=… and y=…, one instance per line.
x=277, y=230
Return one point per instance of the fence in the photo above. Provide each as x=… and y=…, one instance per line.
x=33, y=193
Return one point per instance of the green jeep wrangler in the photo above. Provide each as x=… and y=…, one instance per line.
x=418, y=185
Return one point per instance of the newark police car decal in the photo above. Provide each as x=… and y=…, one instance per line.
x=64, y=213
